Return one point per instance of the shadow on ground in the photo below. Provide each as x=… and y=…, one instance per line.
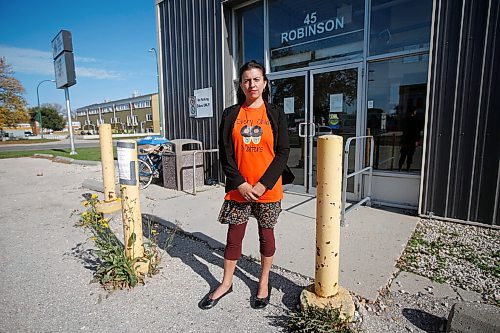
x=425, y=321
x=247, y=270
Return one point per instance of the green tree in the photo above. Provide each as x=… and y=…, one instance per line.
x=50, y=116
x=12, y=103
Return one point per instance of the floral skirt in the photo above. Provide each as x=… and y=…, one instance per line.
x=266, y=213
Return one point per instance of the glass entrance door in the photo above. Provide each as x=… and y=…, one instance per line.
x=335, y=106
x=290, y=93
x=318, y=102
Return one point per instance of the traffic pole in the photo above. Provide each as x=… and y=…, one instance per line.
x=110, y=204
x=326, y=290
x=131, y=206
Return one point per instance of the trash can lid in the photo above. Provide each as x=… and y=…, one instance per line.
x=189, y=144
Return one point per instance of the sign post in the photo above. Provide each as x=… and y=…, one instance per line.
x=64, y=68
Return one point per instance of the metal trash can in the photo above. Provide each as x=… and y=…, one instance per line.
x=178, y=165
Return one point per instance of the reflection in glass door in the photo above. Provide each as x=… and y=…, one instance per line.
x=290, y=94
x=335, y=104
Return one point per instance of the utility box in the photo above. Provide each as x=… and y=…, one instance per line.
x=178, y=165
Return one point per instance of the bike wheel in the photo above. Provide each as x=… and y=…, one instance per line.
x=145, y=174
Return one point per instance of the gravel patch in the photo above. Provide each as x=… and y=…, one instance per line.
x=464, y=256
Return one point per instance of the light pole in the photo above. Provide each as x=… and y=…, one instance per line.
x=39, y=111
x=160, y=97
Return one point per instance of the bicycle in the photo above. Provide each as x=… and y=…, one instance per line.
x=150, y=165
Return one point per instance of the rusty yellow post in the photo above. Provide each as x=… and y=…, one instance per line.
x=326, y=289
x=131, y=207
x=328, y=208
x=110, y=204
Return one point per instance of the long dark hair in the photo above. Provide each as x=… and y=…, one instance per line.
x=251, y=65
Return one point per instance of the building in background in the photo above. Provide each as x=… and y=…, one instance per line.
x=418, y=76
x=137, y=114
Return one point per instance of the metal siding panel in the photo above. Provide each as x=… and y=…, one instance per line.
x=193, y=60
x=463, y=155
x=491, y=151
x=429, y=146
x=443, y=109
x=468, y=108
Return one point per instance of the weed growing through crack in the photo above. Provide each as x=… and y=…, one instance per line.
x=320, y=320
x=115, y=270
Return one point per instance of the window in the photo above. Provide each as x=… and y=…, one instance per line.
x=142, y=104
x=121, y=107
x=132, y=121
x=306, y=32
x=249, y=34
x=149, y=117
x=399, y=25
x=396, y=99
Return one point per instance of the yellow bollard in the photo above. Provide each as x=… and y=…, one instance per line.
x=131, y=207
x=110, y=204
x=326, y=289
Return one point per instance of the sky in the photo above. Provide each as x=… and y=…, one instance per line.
x=111, y=39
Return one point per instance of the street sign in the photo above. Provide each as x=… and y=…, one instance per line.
x=64, y=67
x=62, y=42
x=64, y=62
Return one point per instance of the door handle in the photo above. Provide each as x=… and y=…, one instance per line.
x=301, y=126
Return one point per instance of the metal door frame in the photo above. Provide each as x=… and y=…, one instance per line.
x=305, y=74
x=360, y=121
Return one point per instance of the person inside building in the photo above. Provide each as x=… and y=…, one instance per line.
x=410, y=139
x=254, y=149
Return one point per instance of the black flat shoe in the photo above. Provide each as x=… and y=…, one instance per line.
x=208, y=303
x=261, y=303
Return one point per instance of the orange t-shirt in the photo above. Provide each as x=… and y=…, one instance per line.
x=253, y=143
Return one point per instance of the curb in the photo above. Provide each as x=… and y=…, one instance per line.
x=85, y=162
x=468, y=317
x=62, y=159
x=43, y=156
x=67, y=160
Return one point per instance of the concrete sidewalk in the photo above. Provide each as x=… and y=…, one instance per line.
x=46, y=268
x=370, y=245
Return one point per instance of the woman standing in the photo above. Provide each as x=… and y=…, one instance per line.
x=253, y=149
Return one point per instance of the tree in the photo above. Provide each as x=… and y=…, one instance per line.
x=12, y=103
x=50, y=116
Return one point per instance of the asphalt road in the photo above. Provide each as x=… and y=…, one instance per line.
x=63, y=144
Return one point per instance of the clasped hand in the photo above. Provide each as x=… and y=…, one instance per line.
x=251, y=193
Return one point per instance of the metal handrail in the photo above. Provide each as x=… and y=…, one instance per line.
x=368, y=169
x=194, y=164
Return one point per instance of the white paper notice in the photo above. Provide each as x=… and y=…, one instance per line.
x=336, y=102
x=124, y=156
x=370, y=104
x=204, y=103
x=289, y=105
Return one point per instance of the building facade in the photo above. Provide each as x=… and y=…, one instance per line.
x=137, y=114
x=396, y=71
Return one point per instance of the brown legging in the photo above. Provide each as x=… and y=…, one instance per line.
x=235, y=235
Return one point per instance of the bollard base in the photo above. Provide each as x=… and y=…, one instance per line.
x=342, y=301
x=108, y=207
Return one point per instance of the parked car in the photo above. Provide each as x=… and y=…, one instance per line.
x=28, y=134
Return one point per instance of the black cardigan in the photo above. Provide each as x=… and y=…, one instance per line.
x=226, y=150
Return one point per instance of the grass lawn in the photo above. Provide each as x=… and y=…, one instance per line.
x=87, y=154
x=26, y=141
